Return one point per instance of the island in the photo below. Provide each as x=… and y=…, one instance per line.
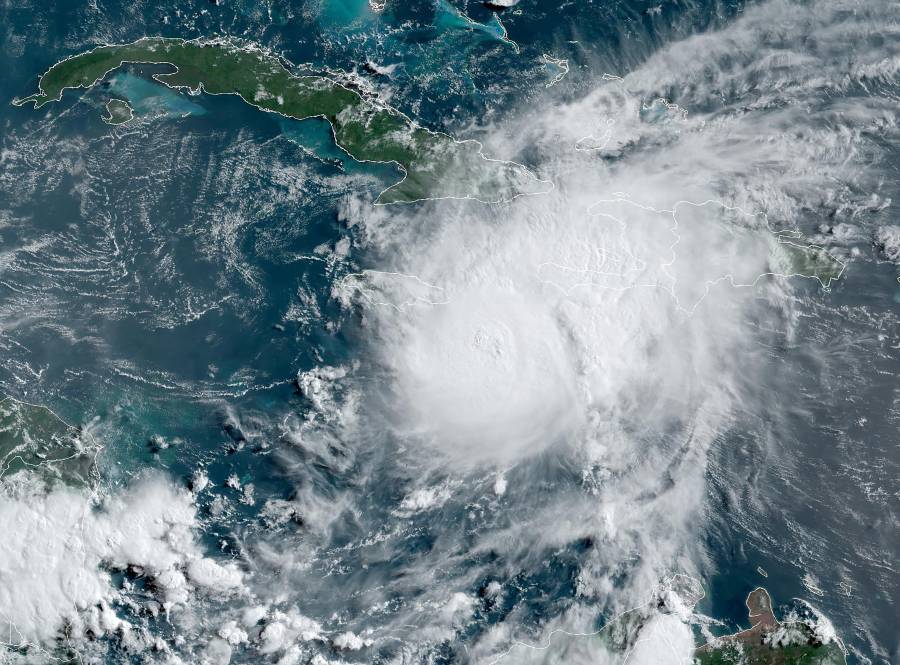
x=434, y=164
x=118, y=112
x=769, y=641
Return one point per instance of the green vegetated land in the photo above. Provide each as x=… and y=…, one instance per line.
x=34, y=438
x=118, y=112
x=789, y=256
x=770, y=642
x=767, y=642
x=436, y=165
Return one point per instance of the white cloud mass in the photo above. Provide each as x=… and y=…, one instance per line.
x=58, y=546
x=547, y=372
x=621, y=321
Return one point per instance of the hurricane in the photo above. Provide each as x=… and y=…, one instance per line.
x=600, y=371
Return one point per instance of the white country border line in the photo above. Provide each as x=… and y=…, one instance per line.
x=560, y=631
x=416, y=301
x=561, y=63
x=92, y=497
x=673, y=212
x=92, y=449
x=109, y=120
x=289, y=67
x=607, y=135
x=729, y=277
x=504, y=35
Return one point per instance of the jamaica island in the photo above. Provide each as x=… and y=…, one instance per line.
x=435, y=165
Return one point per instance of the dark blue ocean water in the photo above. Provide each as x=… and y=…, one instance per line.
x=164, y=282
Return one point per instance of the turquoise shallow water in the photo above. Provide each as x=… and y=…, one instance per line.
x=168, y=280
x=149, y=98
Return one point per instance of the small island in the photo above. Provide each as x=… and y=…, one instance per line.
x=770, y=642
x=118, y=112
x=435, y=165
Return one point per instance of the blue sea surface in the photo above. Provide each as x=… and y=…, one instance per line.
x=149, y=98
x=171, y=279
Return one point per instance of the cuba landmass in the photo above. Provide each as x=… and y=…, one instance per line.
x=435, y=165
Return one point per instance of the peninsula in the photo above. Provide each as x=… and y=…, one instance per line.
x=769, y=641
x=435, y=165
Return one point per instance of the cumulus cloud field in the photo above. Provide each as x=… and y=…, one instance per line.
x=615, y=325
